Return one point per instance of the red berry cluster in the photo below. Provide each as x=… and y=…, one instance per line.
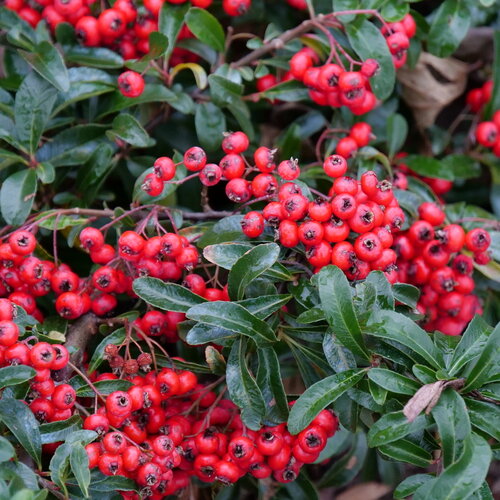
x=398, y=38
x=429, y=257
x=477, y=98
x=167, y=428
x=488, y=134
x=49, y=402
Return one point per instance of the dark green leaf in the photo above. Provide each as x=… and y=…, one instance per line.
x=336, y=300
x=264, y=306
x=115, y=338
x=226, y=229
x=494, y=103
x=233, y=317
x=97, y=57
x=127, y=128
x=203, y=334
x=311, y=316
x=17, y=195
x=463, y=477
x=484, y=416
x=318, y=396
x=428, y=167
x=249, y=267
x=411, y=484
x=345, y=5
x=158, y=45
x=60, y=430
x=223, y=90
x=79, y=462
x=450, y=415
x=301, y=488
x=368, y=42
x=406, y=294
x=291, y=90
x=338, y=356
x=12, y=375
x=59, y=465
x=22, y=423
x=170, y=22
x=166, y=296
x=397, y=327
x=392, y=427
x=461, y=166
x=210, y=124
x=34, y=102
x=105, y=387
x=488, y=360
x=397, y=130
x=206, y=28
x=46, y=172
x=408, y=452
x=425, y=374
x=449, y=27
x=243, y=388
x=394, y=11
x=47, y=61
x=393, y=382
x=385, y=294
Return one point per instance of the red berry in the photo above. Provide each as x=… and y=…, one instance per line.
x=131, y=84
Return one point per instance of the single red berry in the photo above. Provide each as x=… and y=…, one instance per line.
x=131, y=84
x=195, y=159
x=252, y=224
x=235, y=142
x=335, y=166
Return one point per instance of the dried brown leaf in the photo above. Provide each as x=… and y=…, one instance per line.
x=423, y=398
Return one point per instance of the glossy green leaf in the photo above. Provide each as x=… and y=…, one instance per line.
x=392, y=427
x=449, y=27
x=206, y=28
x=408, y=452
x=450, y=415
x=233, y=317
x=484, y=416
x=335, y=294
x=204, y=334
x=406, y=294
x=19, y=419
x=59, y=465
x=487, y=361
x=397, y=131
x=384, y=291
x=471, y=344
x=397, y=327
x=461, y=166
x=343, y=6
x=97, y=57
x=288, y=91
x=15, y=374
x=318, y=396
x=59, y=430
x=249, y=267
x=269, y=380
x=226, y=229
x=210, y=124
x=411, y=484
x=166, y=296
x=264, y=306
x=46, y=60
x=393, y=381
x=105, y=387
x=79, y=462
x=465, y=476
x=128, y=129
x=223, y=90
x=33, y=106
x=338, y=356
x=368, y=42
x=243, y=388
x=17, y=195
x=170, y=21
x=115, y=338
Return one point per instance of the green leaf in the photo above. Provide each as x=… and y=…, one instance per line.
x=206, y=28
x=210, y=124
x=318, y=396
x=249, y=267
x=270, y=381
x=17, y=195
x=488, y=360
x=301, y=488
x=411, y=484
x=494, y=103
x=226, y=229
x=449, y=27
x=115, y=338
x=345, y=5
x=461, y=166
x=16, y=374
x=59, y=466
x=366, y=39
x=393, y=382
x=484, y=416
x=170, y=21
x=97, y=57
x=394, y=11
x=406, y=294
x=338, y=356
x=289, y=91
x=34, y=102
x=384, y=291
x=158, y=45
x=471, y=344
x=223, y=90
x=463, y=477
x=392, y=427
x=408, y=452
x=79, y=462
x=336, y=300
x=47, y=61
x=450, y=415
x=46, y=172
x=127, y=128
x=397, y=131
x=397, y=327
x=265, y=305
x=60, y=430
x=204, y=334
x=428, y=167
x=105, y=387
x=166, y=296
x=6, y=450
x=243, y=388
x=22, y=423
x=233, y=317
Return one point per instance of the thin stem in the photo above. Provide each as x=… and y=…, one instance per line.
x=91, y=385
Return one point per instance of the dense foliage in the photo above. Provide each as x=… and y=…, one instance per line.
x=249, y=249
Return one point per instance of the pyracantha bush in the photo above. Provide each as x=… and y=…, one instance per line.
x=248, y=249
